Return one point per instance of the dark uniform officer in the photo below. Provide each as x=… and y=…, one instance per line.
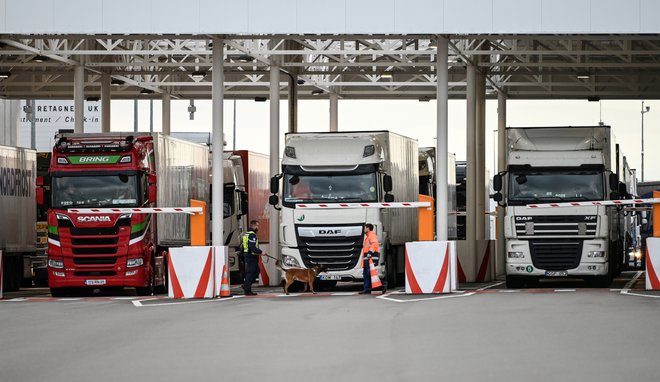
x=251, y=252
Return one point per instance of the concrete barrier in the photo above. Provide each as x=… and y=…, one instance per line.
x=191, y=272
x=476, y=267
x=431, y=267
x=652, y=263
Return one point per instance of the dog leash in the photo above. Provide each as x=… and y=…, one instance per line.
x=263, y=254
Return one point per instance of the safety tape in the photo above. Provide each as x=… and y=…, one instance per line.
x=363, y=205
x=163, y=210
x=596, y=203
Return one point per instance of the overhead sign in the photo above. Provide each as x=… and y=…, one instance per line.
x=51, y=116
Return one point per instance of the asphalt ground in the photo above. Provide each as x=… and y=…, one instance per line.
x=557, y=331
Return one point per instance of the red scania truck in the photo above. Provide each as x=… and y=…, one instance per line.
x=110, y=170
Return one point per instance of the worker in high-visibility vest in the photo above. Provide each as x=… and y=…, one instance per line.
x=370, y=250
x=250, y=250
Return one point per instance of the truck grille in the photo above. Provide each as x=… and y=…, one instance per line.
x=94, y=241
x=556, y=254
x=94, y=260
x=570, y=225
x=94, y=250
x=95, y=231
x=336, y=253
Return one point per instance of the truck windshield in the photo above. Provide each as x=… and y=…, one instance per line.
x=95, y=191
x=330, y=188
x=533, y=187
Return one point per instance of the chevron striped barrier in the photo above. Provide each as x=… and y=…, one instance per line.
x=652, y=263
x=431, y=267
x=196, y=272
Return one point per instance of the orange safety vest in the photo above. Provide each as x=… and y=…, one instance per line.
x=370, y=243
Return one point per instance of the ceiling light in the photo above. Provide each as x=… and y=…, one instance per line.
x=198, y=74
x=317, y=91
x=593, y=99
x=40, y=58
x=93, y=99
x=260, y=99
x=117, y=82
x=4, y=75
x=386, y=75
x=301, y=81
x=583, y=76
x=245, y=58
x=146, y=91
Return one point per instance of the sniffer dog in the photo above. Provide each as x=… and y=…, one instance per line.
x=304, y=275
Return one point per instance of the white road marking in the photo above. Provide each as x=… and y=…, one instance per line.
x=386, y=297
x=491, y=286
x=632, y=281
x=565, y=290
x=140, y=305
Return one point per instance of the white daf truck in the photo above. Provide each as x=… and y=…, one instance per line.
x=346, y=167
x=561, y=164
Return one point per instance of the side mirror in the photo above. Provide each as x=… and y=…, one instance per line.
x=497, y=183
x=622, y=190
x=614, y=181
x=152, y=192
x=387, y=183
x=645, y=221
x=497, y=197
x=614, y=195
x=389, y=198
x=273, y=200
x=274, y=185
x=40, y=196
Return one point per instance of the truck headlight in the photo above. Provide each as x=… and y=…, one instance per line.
x=596, y=254
x=290, y=261
x=131, y=263
x=516, y=255
x=59, y=264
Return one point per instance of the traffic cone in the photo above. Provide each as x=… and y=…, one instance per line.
x=375, y=280
x=224, y=284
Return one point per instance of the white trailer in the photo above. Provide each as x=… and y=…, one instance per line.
x=335, y=167
x=18, y=206
x=546, y=165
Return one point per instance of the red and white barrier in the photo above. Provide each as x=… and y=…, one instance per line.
x=196, y=272
x=163, y=210
x=430, y=267
x=652, y=263
x=596, y=203
x=475, y=266
x=363, y=205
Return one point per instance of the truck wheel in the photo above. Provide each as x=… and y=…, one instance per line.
x=514, y=282
x=390, y=268
x=149, y=289
x=162, y=289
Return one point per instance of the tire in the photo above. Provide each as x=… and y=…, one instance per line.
x=390, y=268
x=149, y=289
x=514, y=282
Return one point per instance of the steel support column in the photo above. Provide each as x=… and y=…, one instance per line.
x=79, y=99
x=334, y=110
x=441, y=150
x=105, y=103
x=166, y=116
x=501, y=166
x=471, y=182
x=481, y=156
x=293, y=104
x=274, y=228
x=217, y=100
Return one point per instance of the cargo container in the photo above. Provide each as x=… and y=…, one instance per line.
x=18, y=216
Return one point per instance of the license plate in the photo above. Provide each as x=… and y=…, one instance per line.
x=330, y=277
x=556, y=273
x=94, y=282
